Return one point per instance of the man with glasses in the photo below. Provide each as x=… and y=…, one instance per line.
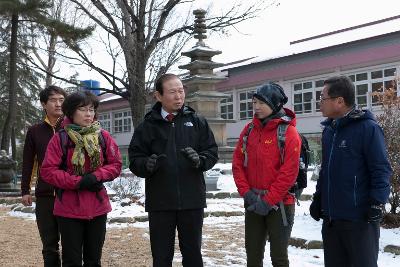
x=353, y=184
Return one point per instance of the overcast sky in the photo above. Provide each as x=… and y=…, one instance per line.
x=270, y=34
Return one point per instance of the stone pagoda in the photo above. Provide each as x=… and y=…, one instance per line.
x=200, y=85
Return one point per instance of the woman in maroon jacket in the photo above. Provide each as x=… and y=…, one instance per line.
x=82, y=202
x=264, y=178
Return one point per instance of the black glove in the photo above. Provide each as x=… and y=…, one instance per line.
x=151, y=164
x=315, y=207
x=375, y=213
x=250, y=198
x=260, y=207
x=192, y=155
x=88, y=180
x=96, y=187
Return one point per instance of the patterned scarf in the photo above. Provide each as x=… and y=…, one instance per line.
x=85, y=139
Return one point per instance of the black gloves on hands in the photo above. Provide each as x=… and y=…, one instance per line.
x=151, y=164
x=375, y=213
x=89, y=182
x=260, y=207
x=250, y=197
x=192, y=155
x=315, y=207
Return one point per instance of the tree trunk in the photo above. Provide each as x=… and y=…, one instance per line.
x=52, y=58
x=12, y=95
x=13, y=144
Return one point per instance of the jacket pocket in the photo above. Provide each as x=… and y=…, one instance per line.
x=355, y=191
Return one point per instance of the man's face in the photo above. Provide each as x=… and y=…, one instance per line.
x=173, y=96
x=331, y=107
x=53, y=105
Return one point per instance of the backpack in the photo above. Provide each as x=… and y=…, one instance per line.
x=64, y=142
x=301, y=179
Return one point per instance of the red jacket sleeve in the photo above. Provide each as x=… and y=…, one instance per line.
x=50, y=171
x=112, y=169
x=238, y=170
x=288, y=170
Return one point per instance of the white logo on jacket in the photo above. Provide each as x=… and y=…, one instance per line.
x=188, y=124
x=343, y=144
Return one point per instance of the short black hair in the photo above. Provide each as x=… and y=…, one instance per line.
x=341, y=86
x=163, y=78
x=79, y=99
x=50, y=90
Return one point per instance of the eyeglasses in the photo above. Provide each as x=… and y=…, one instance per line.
x=322, y=99
x=90, y=110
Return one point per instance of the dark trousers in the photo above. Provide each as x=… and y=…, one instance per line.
x=258, y=228
x=352, y=244
x=82, y=237
x=163, y=225
x=48, y=231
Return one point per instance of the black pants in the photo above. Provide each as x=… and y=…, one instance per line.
x=350, y=244
x=48, y=231
x=258, y=228
x=163, y=225
x=82, y=237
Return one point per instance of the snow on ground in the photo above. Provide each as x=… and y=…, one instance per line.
x=304, y=227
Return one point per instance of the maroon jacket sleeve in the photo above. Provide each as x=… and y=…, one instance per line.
x=50, y=171
x=112, y=169
x=238, y=170
x=28, y=161
x=288, y=170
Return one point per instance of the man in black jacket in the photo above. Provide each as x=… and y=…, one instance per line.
x=172, y=148
x=36, y=140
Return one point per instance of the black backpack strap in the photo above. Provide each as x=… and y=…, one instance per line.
x=281, y=134
x=103, y=146
x=64, y=148
x=244, y=144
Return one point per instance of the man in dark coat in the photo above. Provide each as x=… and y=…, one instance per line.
x=36, y=140
x=354, y=179
x=171, y=149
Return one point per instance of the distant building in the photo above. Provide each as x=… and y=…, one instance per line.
x=372, y=63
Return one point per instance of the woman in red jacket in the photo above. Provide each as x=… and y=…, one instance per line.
x=76, y=164
x=263, y=175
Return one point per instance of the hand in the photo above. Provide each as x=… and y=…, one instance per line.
x=250, y=198
x=315, y=207
x=375, y=213
x=96, y=187
x=151, y=164
x=27, y=200
x=88, y=180
x=192, y=155
x=260, y=207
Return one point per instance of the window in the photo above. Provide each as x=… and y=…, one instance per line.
x=105, y=121
x=303, y=97
x=122, y=122
x=246, y=105
x=370, y=82
x=319, y=85
x=227, y=108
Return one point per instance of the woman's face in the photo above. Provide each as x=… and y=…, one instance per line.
x=261, y=109
x=84, y=116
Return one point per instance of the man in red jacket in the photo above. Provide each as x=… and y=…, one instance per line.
x=36, y=140
x=264, y=178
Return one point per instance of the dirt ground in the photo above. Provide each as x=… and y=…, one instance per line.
x=20, y=244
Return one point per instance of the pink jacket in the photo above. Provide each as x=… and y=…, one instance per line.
x=80, y=204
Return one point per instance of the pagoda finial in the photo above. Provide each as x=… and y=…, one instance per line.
x=200, y=27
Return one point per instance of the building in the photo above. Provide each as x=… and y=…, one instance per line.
x=372, y=63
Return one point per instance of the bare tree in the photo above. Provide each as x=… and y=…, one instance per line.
x=150, y=35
